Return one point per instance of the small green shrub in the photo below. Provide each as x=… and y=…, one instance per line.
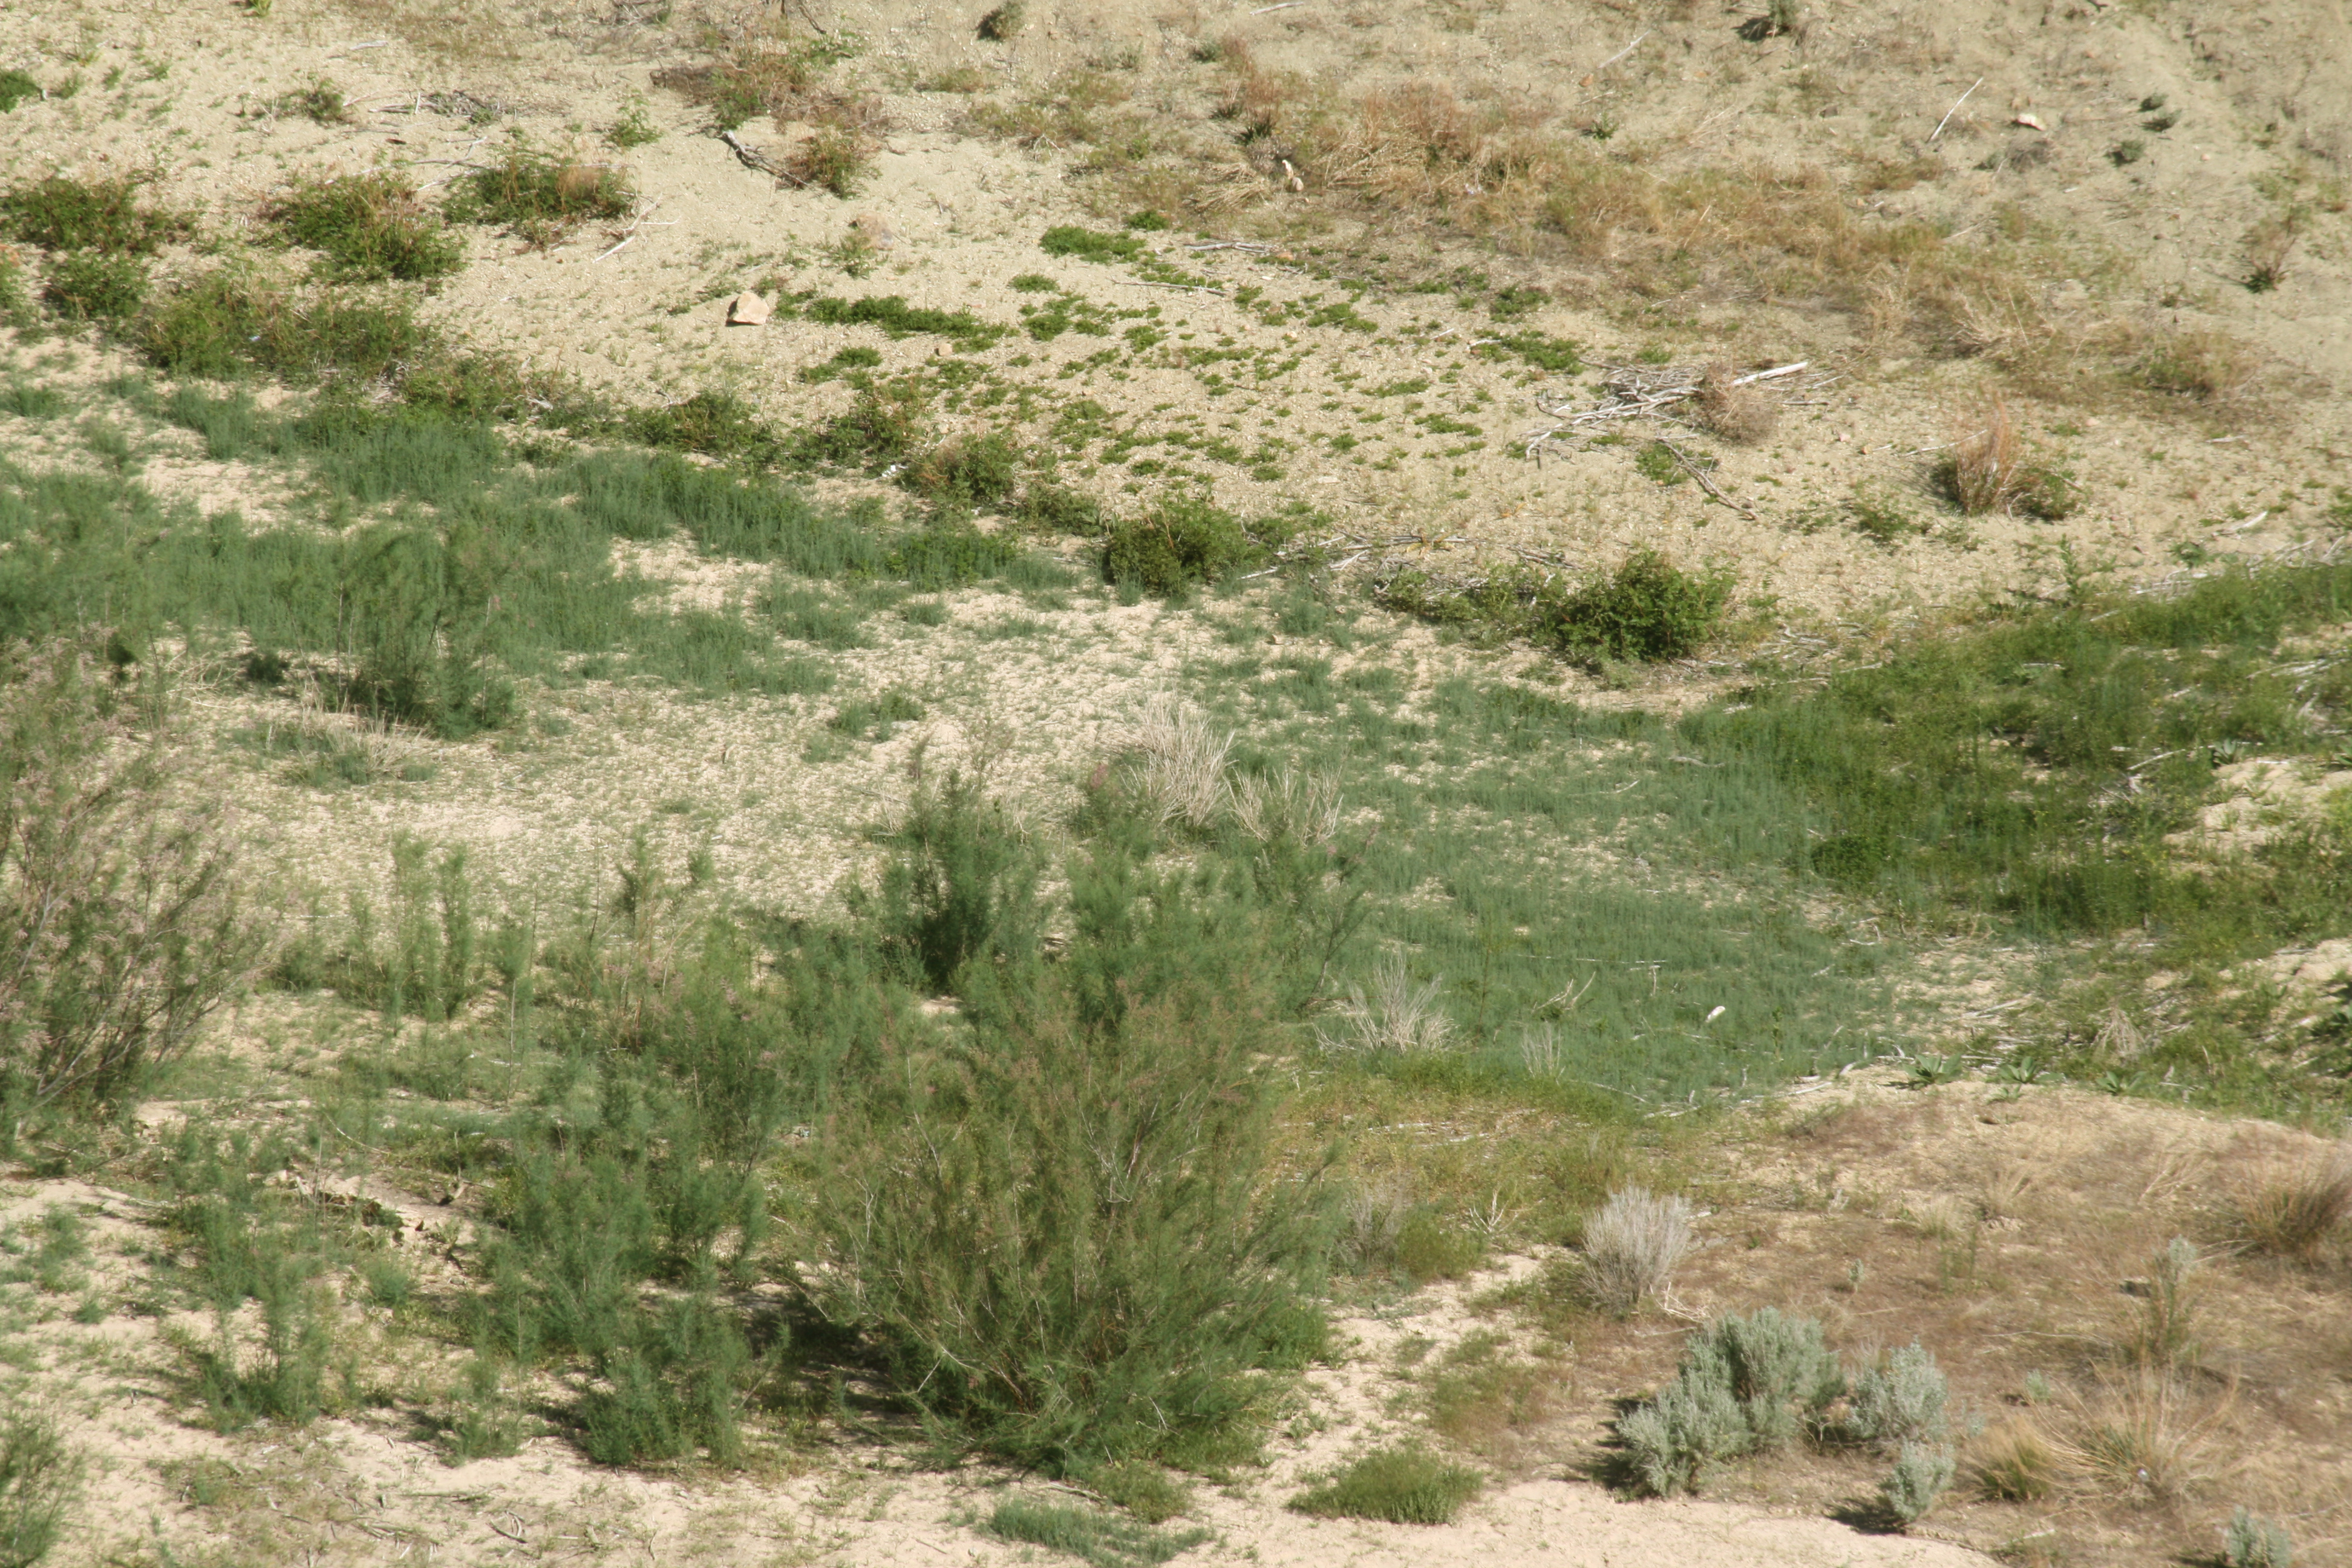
x=948, y=555
x=877, y=718
x=92, y=286
x=1427, y=1249
x=883, y=426
x=1657, y=464
x=1182, y=541
x=835, y=159
x=132, y=920
x=1401, y=1486
x=1921, y=1478
x=899, y=319
x=1648, y=609
x=16, y=87
x=321, y=103
x=39, y=1481
x=485, y=1423
x=1900, y=1402
x=978, y=470
x=1068, y=239
x=1745, y=1384
x=715, y=423
x=2252, y=1541
x=62, y=214
x=542, y=196
x=633, y=128
x=370, y=226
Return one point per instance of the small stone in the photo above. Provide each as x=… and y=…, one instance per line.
x=748, y=310
x=876, y=233
x=2031, y=123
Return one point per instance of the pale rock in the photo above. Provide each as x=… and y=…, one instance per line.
x=748, y=310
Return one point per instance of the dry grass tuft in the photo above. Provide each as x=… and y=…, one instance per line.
x=1393, y=1015
x=1740, y=414
x=2142, y=1433
x=2014, y=1462
x=2205, y=365
x=1985, y=460
x=1304, y=806
x=1176, y=765
x=1632, y=1247
x=2293, y=1210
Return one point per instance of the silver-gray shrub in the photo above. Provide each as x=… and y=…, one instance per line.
x=1899, y=1401
x=2253, y=1541
x=1920, y=1476
x=1746, y=1383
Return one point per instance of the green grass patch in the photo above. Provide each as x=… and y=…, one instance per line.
x=1103, y=1540
x=542, y=196
x=94, y=286
x=369, y=226
x=1068, y=239
x=1401, y=1486
x=16, y=87
x=62, y=214
x=899, y=319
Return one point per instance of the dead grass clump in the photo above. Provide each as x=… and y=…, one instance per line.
x=2015, y=1462
x=2165, y=1336
x=1983, y=472
x=752, y=78
x=2200, y=365
x=1736, y=413
x=2143, y=1434
x=836, y=160
x=1176, y=766
x=1300, y=806
x=1392, y=1015
x=2291, y=1211
x=1632, y=1247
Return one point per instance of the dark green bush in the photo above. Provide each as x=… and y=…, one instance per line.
x=61, y=213
x=16, y=87
x=1182, y=541
x=1648, y=609
x=961, y=887
x=1067, y=239
x=92, y=286
x=883, y=426
x=1046, y=1304
x=1401, y=1486
x=716, y=424
x=899, y=319
x=420, y=608
x=370, y=226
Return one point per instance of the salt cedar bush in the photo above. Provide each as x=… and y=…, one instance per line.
x=125, y=921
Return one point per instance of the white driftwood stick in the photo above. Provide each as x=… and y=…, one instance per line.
x=1776, y=370
x=623, y=246
x=1955, y=108
x=1621, y=54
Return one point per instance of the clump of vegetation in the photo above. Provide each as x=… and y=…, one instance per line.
x=1632, y=1247
x=1182, y=542
x=2291, y=1211
x=1918, y=1482
x=129, y=919
x=369, y=226
x=321, y=103
x=1900, y=1402
x=1061, y=1312
x=1102, y=1539
x=2014, y=1463
x=633, y=128
x=1746, y=1383
x=1647, y=609
x=1989, y=471
x=2252, y=1541
x=756, y=78
x=1739, y=414
x=835, y=159
x=63, y=214
x=2201, y=364
x=899, y=319
x=974, y=470
x=93, y=286
x=1068, y=239
x=39, y=1481
x=1401, y=1486
x=230, y=320
x=542, y=196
